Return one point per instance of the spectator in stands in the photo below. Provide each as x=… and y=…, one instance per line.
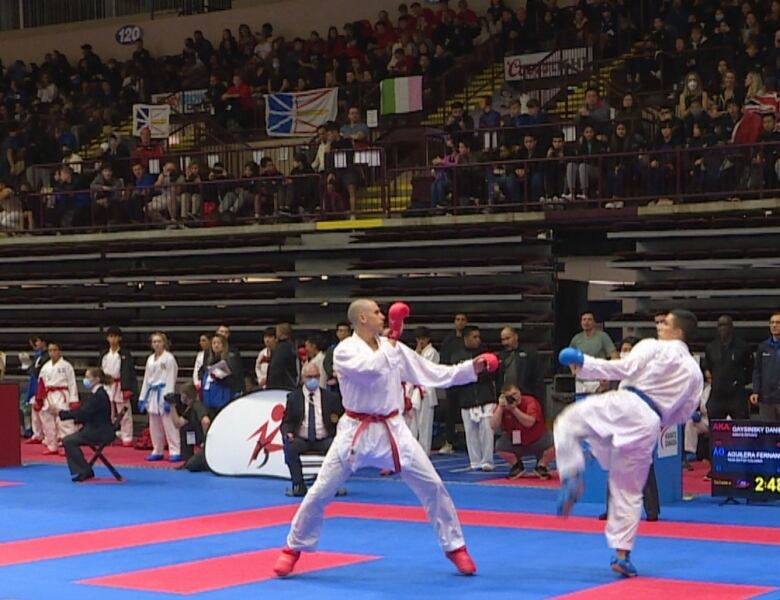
x=595, y=112
x=140, y=193
x=596, y=343
x=519, y=418
x=118, y=155
x=107, y=196
x=228, y=47
x=502, y=182
x=323, y=147
x=442, y=186
x=10, y=208
x=702, y=164
x=661, y=167
x=477, y=402
x=621, y=168
x=555, y=169
x=696, y=116
x=341, y=162
x=766, y=374
x=530, y=174
x=304, y=187
x=239, y=104
x=202, y=46
x=72, y=159
x=725, y=125
x=489, y=118
x=727, y=368
x=268, y=189
x=264, y=357
x=536, y=119
x=693, y=90
x=459, y=124
x=727, y=90
x=589, y=170
x=355, y=129
x=165, y=204
x=283, y=368
x=309, y=423
x=767, y=158
x=146, y=148
x=237, y=195
x=191, y=195
x=518, y=367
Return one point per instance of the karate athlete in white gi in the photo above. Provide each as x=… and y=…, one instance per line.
x=660, y=385
x=159, y=380
x=372, y=432
x=56, y=391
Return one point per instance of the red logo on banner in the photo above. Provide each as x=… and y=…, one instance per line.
x=265, y=442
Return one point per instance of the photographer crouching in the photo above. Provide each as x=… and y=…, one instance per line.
x=192, y=420
x=524, y=433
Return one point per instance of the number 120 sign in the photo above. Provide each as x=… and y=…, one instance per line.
x=129, y=34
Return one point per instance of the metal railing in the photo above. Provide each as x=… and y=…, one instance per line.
x=27, y=14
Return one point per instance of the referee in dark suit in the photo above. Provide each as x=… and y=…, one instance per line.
x=309, y=423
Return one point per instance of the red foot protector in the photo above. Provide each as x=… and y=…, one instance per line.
x=647, y=588
x=218, y=573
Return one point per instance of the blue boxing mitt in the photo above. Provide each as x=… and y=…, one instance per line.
x=696, y=416
x=141, y=406
x=571, y=356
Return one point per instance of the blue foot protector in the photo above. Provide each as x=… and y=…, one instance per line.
x=154, y=457
x=624, y=566
x=571, y=490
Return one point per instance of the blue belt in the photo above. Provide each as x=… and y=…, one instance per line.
x=647, y=399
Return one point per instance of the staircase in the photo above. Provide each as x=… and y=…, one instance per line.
x=181, y=138
x=369, y=200
x=486, y=83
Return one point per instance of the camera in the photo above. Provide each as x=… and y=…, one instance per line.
x=175, y=400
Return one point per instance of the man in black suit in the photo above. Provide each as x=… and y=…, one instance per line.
x=95, y=415
x=520, y=368
x=283, y=367
x=309, y=423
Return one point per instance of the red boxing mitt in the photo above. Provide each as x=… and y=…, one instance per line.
x=302, y=355
x=491, y=361
x=396, y=317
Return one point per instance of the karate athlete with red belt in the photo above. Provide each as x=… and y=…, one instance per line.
x=373, y=433
x=56, y=391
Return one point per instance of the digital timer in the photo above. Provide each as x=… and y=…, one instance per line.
x=763, y=485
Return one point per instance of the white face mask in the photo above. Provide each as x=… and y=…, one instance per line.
x=692, y=85
x=624, y=354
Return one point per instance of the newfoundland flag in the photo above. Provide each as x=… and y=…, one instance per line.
x=300, y=113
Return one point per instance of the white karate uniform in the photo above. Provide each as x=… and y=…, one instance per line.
x=261, y=367
x=199, y=358
x=159, y=380
x=112, y=365
x=479, y=435
x=622, y=429
x=59, y=375
x=370, y=383
x=693, y=430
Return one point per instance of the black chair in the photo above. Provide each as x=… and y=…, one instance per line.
x=98, y=448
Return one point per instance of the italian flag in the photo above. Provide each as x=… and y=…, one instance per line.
x=401, y=95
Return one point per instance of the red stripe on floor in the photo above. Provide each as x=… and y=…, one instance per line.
x=710, y=532
x=222, y=572
x=115, y=538
x=9, y=483
x=75, y=544
x=647, y=588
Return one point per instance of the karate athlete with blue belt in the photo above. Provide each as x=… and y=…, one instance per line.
x=660, y=385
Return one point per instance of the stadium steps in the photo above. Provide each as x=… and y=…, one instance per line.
x=482, y=84
x=370, y=198
x=566, y=108
x=184, y=139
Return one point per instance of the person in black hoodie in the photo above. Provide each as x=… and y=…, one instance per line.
x=477, y=402
x=587, y=171
x=622, y=168
x=283, y=368
x=95, y=415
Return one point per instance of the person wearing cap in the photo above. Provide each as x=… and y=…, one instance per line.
x=117, y=362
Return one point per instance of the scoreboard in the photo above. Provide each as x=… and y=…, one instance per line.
x=745, y=459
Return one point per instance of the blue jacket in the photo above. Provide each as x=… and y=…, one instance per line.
x=766, y=372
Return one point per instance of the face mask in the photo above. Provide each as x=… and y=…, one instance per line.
x=312, y=383
x=88, y=383
x=692, y=85
x=624, y=354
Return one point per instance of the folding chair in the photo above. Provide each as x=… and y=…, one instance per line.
x=98, y=448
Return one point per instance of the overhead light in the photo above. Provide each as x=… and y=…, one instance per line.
x=262, y=280
x=324, y=277
x=304, y=279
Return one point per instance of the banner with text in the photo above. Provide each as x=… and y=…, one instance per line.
x=543, y=65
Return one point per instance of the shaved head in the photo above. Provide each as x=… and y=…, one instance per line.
x=359, y=307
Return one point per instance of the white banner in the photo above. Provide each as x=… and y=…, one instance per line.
x=300, y=113
x=156, y=118
x=246, y=438
x=668, y=442
x=541, y=65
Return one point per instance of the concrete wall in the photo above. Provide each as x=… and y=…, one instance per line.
x=166, y=35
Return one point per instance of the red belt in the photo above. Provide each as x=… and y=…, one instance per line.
x=365, y=421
